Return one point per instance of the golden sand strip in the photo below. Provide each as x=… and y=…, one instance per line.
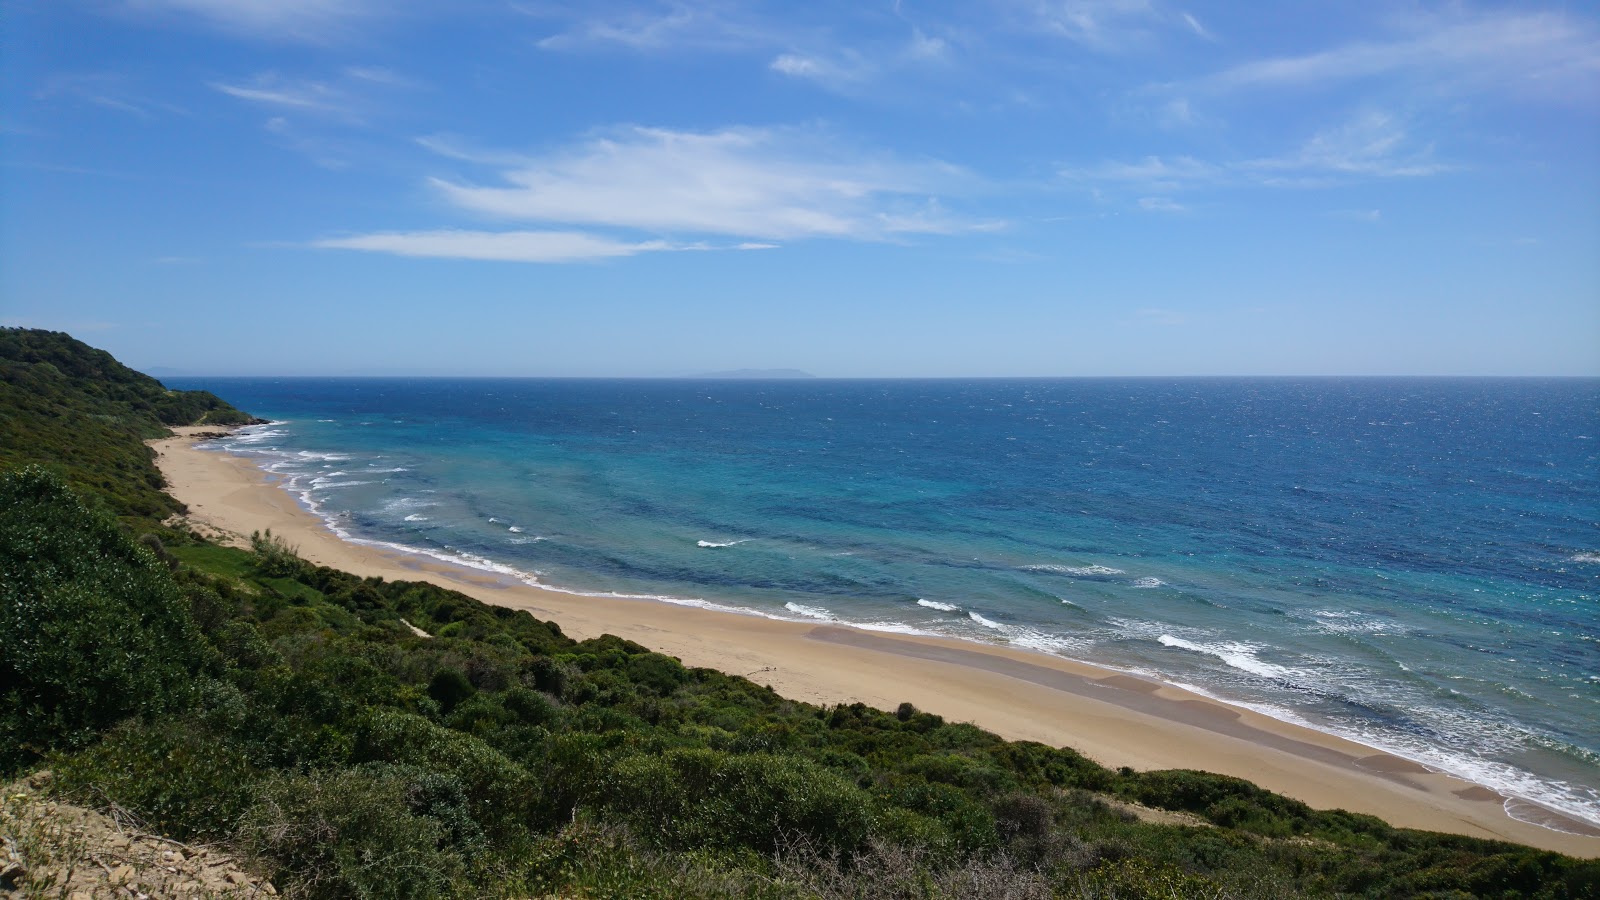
x=1116, y=719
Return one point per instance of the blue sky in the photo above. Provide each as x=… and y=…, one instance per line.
x=1018, y=187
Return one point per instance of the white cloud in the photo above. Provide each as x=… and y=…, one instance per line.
x=755, y=183
x=1103, y=24
x=1152, y=172
x=1113, y=25
x=504, y=246
x=835, y=73
x=109, y=90
x=652, y=27
x=924, y=47
x=1546, y=52
x=349, y=94
x=300, y=94
x=299, y=20
x=1161, y=204
x=1372, y=144
x=1196, y=27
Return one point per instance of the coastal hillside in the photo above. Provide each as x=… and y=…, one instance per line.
x=351, y=737
x=73, y=407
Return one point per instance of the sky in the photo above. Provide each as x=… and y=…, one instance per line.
x=860, y=189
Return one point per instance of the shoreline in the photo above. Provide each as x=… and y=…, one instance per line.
x=1112, y=717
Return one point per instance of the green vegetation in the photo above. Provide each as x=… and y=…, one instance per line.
x=251, y=698
x=75, y=409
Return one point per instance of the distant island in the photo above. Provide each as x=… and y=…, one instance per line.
x=754, y=374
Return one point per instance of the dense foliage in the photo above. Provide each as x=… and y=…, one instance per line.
x=95, y=628
x=349, y=756
x=76, y=409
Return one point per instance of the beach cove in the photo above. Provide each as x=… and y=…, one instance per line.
x=1115, y=718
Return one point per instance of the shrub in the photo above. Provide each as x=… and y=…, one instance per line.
x=349, y=833
x=95, y=629
x=706, y=798
x=178, y=777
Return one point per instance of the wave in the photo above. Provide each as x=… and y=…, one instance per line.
x=1341, y=621
x=1239, y=655
x=811, y=612
x=1590, y=557
x=1148, y=582
x=721, y=543
x=942, y=607
x=1031, y=639
x=987, y=623
x=416, y=518
x=515, y=529
x=1094, y=571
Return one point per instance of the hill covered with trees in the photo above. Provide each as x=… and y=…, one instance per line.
x=73, y=407
x=363, y=738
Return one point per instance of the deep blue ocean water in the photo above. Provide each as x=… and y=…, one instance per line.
x=1414, y=563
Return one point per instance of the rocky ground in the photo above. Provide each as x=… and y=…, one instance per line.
x=53, y=849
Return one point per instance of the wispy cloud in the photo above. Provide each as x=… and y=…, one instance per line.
x=305, y=95
x=504, y=246
x=1547, y=52
x=1371, y=145
x=655, y=26
x=756, y=183
x=841, y=70
x=108, y=90
x=1161, y=204
x=314, y=21
x=1112, y=25
x=350, y=94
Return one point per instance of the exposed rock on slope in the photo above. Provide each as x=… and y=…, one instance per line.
x=54, y=849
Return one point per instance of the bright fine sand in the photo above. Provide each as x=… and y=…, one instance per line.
x=1116, y=719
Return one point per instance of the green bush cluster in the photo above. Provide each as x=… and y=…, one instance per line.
x=95, y=628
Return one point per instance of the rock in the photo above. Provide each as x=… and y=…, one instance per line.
x=12, y=875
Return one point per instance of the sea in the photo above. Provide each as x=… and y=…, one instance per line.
x=1410, y=563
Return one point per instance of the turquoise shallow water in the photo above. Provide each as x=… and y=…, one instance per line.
x=1414, y=563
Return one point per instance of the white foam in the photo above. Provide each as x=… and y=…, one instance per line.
x=1240, y=655
x=1590, y=557
x=1148, y=582
x=1080, y=571
x=389, y=471
x=397, y=504
x=416, y=518
x=722, y=543
x=1343, y=621
x=321, y=485
x=942, y=607
x=987, y=623
x=811, y=612
x=515, y=529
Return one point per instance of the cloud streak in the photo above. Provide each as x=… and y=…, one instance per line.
x=502, y=246
x=311, y=21
x=751, y=183
x=1544, y=51
x=1372, y=145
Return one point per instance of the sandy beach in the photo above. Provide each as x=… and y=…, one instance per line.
x=1116, y=719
